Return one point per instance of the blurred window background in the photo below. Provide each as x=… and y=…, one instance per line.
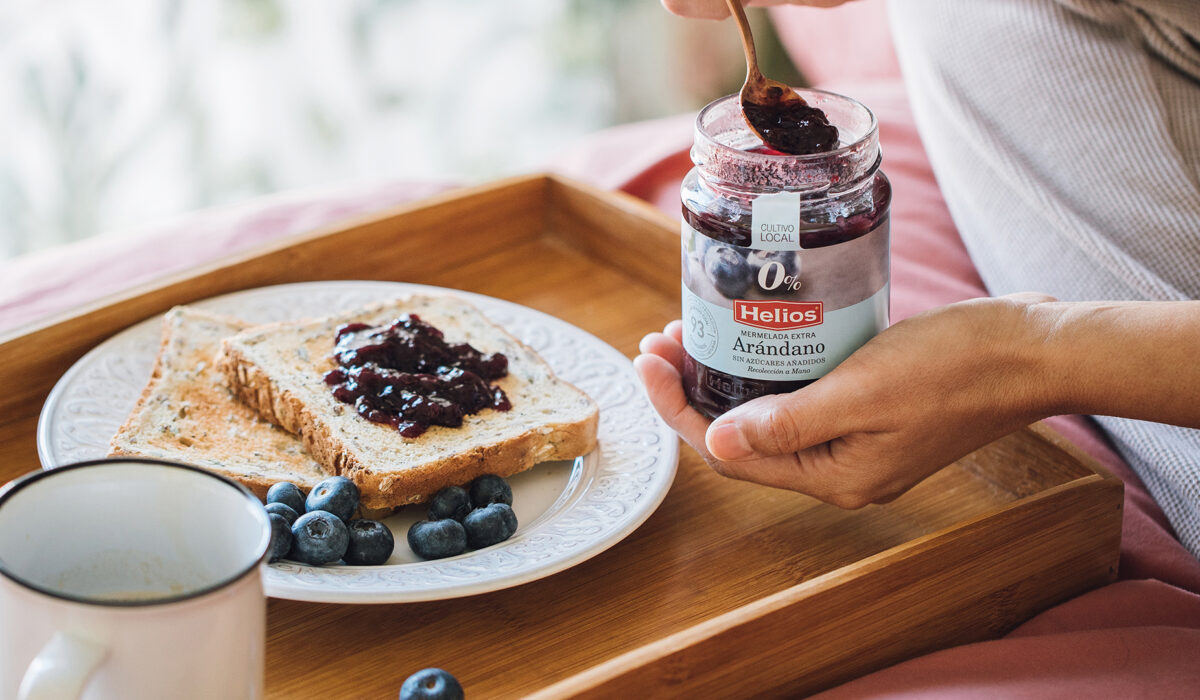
x=120, y=115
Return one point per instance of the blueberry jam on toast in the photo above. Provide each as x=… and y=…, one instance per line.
x=406, y=375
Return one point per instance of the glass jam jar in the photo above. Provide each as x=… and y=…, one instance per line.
x=785, y=257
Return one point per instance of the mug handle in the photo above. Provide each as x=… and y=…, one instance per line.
x=61, y=669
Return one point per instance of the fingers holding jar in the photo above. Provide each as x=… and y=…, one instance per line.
x=805, y=471
x=811, y=471
x=915, y=398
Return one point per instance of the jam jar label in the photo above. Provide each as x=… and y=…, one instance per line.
x=782, y=314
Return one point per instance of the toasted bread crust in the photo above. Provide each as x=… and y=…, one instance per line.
x=115, y=449
x=380, y=489
x=211, y=412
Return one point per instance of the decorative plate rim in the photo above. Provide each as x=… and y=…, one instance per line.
x=610, y=492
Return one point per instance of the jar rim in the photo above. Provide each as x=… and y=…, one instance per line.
x=831, y=172
x=871, y=132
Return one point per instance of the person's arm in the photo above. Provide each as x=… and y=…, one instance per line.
x=935, y=387
x=1133, y=359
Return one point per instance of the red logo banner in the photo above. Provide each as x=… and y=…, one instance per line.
x=778, y=315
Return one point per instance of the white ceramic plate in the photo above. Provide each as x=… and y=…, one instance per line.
x=568, y=511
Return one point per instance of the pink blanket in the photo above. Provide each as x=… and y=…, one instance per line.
x=1139, y=637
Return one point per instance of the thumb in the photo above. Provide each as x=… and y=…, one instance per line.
x=781, y=423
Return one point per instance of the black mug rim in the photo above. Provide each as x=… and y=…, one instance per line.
x=8, y=491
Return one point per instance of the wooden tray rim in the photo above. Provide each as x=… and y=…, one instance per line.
x=548, y=180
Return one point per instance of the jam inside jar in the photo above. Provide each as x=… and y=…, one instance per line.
x=785, y=258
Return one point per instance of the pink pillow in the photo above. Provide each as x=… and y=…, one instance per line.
x=848, y=43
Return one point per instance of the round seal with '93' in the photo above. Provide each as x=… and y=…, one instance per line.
x=700, y=334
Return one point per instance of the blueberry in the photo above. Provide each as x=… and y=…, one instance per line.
x=288, y=494
x=337, y=495
x=451, y=502
x=727, y=270
x=490, y=525
x=707, y=243
x=281, y=538
x=285, y=510
x=437, y=539
x=371, y=543
x=320, y=538
x=788, y=266
x=490, y=488
x=431, y=684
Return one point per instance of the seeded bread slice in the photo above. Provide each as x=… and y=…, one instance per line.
x=279, y=370
x=187, y=413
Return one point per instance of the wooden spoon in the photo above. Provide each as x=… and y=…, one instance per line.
x=774, y=111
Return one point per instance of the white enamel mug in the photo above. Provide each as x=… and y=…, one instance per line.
x=131, y=578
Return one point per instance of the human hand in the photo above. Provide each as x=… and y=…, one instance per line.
x=717, y=9
x=918, y=396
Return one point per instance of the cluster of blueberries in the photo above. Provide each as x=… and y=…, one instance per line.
x=431, y=684
x=317, y=529
x=477, y=516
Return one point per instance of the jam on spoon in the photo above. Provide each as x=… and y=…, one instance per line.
x=780, y=117
x=407, y=376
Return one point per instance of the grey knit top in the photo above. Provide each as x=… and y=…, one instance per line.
x=1065, y=136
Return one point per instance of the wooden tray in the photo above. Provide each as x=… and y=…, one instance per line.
x=729, y=588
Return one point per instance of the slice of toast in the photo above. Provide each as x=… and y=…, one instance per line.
x=279, y=370
x=188, y=414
